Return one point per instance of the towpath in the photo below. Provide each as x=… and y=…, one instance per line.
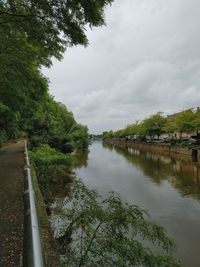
x=11, y=204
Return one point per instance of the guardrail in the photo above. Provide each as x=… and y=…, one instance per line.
x=33, y=254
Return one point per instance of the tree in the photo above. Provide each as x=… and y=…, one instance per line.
x=50, y=26
x=78, y=136
x=154, y=125
x=184, y=121
x=107, y=134
x=108, y=232
x=22, y=86
x=196, y=121
x=171, y=125
x=120, y=133
x=139, y=130
x=54, y=125
x=133, y=129
x=31, y=33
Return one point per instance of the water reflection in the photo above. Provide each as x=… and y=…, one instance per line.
x=81, y=158
x=182, y=175
x=168, y=187
x=60, y=186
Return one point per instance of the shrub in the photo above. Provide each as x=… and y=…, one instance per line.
x=49, y=164
x=107, y=232
x=3, y=137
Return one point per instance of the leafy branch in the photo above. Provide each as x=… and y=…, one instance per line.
x=110, y=232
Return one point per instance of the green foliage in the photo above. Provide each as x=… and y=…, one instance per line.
x=8, y=123
x=107, y=134
x=3, y=137
x=79, y=135
x=50, y=124
x=49, y=164
x=185, y=145
x=31, y=33
x=156, y=125
x=120, y=133
x=174, y=141
x=152, y=126
x=196, y=120
x=136, y=129
x=108, y=232
x=45, y=156
x=170, y=126
x=50, y=26
x=184, y=121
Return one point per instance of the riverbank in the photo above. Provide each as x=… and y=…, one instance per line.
x=162, y=148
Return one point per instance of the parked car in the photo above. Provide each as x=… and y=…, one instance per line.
x=164, y=140
x=192, y=141
x=185, y=140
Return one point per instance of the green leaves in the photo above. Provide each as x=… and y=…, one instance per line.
x=31, y=33
x=49, y=165
x=51, y=25
x=108, y=232
x=156, y=125
x=46, y=156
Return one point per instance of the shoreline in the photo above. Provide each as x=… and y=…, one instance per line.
x=192, y=154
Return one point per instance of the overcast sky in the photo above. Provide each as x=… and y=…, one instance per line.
x=146, y=60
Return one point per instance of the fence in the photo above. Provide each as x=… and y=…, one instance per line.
x=33, y=254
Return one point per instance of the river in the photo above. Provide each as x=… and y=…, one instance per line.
x=169, y=188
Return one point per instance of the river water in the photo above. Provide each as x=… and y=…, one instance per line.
x=169, y=188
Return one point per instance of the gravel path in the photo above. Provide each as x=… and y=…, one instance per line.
x=11, y=204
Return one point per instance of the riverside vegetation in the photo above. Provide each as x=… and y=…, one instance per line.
x=157, y=124
x=93, y=231
x=32, y=33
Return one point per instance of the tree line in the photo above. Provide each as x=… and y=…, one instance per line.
x=32, y=33
x=156, y=125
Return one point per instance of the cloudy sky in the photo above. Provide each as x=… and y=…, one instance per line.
x=146, y=60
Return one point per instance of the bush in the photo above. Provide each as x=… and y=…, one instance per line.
x=36, y=141
x=68, y=147
x=3, y=137
x=49, y=164
x=96, y=232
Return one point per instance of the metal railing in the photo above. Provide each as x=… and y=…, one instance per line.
x=33, y=254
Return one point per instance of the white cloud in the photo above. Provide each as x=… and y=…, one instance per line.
x=145, y=60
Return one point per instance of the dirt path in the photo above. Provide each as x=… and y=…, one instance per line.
x=11, y=204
